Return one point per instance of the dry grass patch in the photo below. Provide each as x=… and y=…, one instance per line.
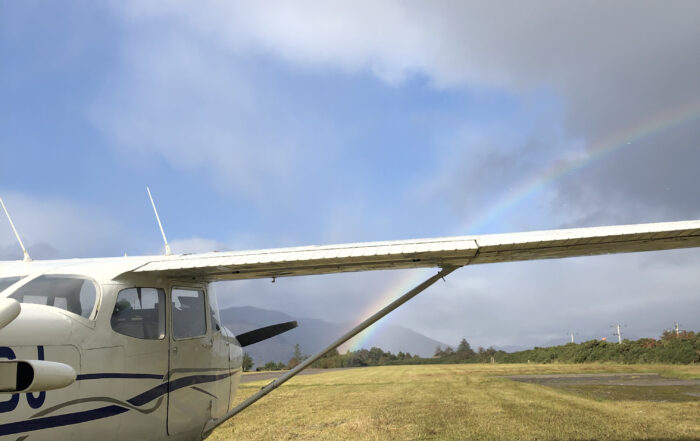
x=456, y=402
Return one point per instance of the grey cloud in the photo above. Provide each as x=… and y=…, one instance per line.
x=614, y=66
x=652, y=180
x=517, y=304
x=336, y=298
x=520, y=304
x=613, y=62
x=482, y=167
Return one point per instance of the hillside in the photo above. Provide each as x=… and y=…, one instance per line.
x=314, y=334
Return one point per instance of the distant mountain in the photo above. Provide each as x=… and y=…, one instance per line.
x=314, y=334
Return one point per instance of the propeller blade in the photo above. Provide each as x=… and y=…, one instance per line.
x=260, y=334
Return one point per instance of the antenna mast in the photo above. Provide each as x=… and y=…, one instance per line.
x=167, y=247
x=24, y=250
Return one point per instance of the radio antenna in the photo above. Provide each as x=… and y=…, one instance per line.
x=167, y=247
x=24, y=250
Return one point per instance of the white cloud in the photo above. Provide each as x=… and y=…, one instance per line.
x=182, y=95
x=182, y=101
x=613, y=65
x=60, y=228
x=196, y=245
x=589, y=52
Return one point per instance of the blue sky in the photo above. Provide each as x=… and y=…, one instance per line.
x=327, y=122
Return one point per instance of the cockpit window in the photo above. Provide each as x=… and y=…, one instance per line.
x=6, y=282
x=189, y=313
x=75, y=294
x=214, y=312
x=140, y=313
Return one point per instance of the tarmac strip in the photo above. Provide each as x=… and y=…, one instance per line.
x=641, y=379
x=620, y=387
x=271, y=375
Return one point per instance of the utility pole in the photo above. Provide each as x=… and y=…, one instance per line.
x=677, y=330
x=619, y=332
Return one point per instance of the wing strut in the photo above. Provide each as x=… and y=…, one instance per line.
x=350, y=334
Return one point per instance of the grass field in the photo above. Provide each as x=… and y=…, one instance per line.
x=458, y=402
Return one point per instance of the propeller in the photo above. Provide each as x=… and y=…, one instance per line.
x=260, y=334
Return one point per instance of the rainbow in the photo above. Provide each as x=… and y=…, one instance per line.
x=596, y=152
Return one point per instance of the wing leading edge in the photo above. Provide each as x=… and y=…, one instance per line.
x=421, y=253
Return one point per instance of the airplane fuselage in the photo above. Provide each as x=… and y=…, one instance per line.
x=152, y=360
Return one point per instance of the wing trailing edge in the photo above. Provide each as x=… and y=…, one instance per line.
x=422, y=253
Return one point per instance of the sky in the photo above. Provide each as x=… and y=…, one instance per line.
x=330, y=122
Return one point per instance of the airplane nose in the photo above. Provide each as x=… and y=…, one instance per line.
x=9, y=310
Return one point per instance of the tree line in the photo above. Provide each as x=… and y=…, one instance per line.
x=681, y=347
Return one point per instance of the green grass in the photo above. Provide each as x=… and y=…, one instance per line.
x=458, y=402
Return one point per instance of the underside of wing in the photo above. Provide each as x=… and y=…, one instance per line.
x=438, y=252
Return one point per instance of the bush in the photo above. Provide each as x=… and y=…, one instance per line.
x=683, y=348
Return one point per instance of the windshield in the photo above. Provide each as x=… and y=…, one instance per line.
x=70, y=293
x=5, y=282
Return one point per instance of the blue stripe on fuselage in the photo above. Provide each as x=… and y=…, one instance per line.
x=117, y=375
x=152, y=394
x=61, y=420
x=108, y=411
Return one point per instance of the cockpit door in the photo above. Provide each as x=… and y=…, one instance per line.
x=198, y=377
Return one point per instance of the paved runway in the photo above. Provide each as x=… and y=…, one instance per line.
x=638, y=386
x=257, y=376
x=605, y=379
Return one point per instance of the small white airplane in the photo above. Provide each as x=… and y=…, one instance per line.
x=132, y=348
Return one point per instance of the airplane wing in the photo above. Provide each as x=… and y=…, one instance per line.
x=437, y=252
